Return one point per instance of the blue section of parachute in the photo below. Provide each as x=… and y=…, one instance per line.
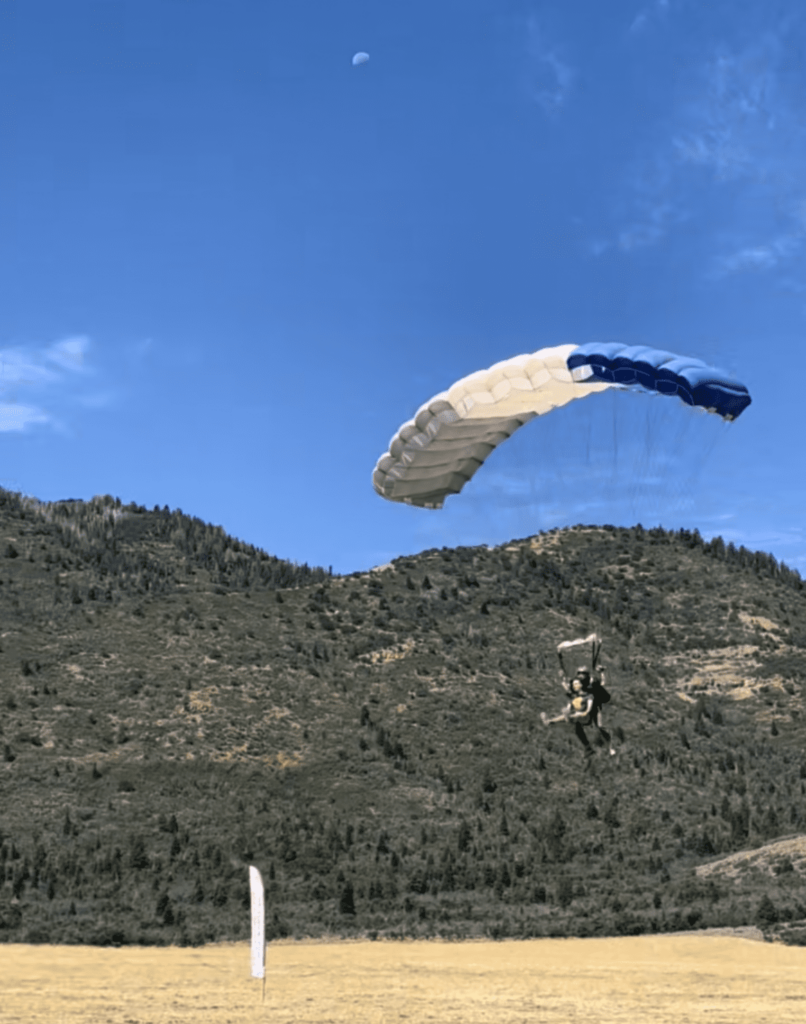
x=670, y=374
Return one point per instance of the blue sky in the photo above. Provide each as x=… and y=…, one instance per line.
x=233, y=263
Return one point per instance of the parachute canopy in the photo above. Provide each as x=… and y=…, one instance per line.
x=360, y=58
x=436, y=453
x=589, y=645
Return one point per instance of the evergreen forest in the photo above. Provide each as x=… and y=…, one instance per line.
x=176, y=705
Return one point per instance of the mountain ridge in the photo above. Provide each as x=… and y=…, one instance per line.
x=177, y=704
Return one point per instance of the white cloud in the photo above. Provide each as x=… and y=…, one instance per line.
x=18, y=417
x=97, y=400
x=639, y=22
x=140, y=350
x=731, y=117
x=738, y=124
x=759, y=257
x=597, y=246
x=792, y=285
x=48, y=374
x=649, y=230
x=774, y=253
x=18, y=366
x=551, y=77
x=656, y=209
x=716, y=148
x=68, y=353
x=648, y=14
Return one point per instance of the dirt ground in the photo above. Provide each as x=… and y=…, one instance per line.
x=715, y=978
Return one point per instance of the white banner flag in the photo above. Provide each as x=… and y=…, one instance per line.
x=258, y=923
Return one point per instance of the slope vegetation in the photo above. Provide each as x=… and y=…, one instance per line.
x=175, y=705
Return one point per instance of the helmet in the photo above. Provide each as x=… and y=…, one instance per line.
x=583, y=673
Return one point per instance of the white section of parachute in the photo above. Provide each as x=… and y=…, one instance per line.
x=566, y=645
x=436, y=453
x=589, y=645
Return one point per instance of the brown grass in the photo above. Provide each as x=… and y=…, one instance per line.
x=763, y=858
x=719, y=979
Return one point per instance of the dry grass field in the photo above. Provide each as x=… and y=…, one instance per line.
x=681, y=978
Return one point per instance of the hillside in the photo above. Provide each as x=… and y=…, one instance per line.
x=175, y=704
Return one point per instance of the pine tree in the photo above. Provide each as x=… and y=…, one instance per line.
x=347, y=899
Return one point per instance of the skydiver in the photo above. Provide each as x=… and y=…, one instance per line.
x=592, y=683
x=595, y=685
x=576, y=711
x=587, y=695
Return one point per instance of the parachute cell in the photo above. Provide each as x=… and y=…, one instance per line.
x=665, y=372
x=436, y=453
